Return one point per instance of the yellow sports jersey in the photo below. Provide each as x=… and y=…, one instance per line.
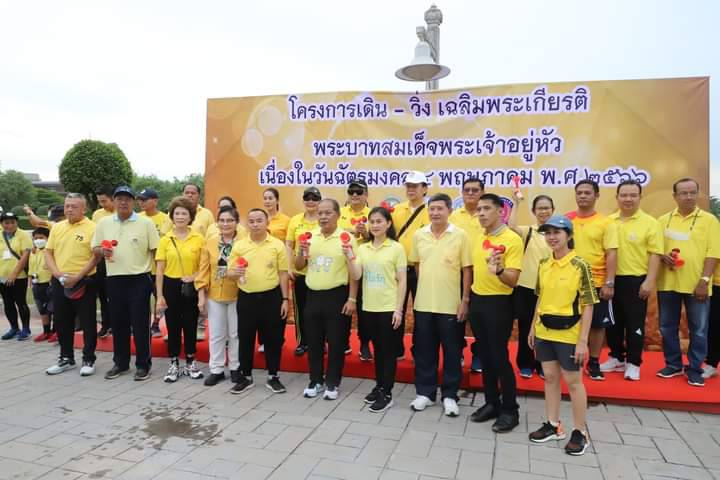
x=441, y=262
x=101, y=213
x=468, y=222
x=265, y=260
x=484, y=282
x=400, y=215
x=347, y=215
x=20, y=243
x=697, y=236
x=183, y=260
x=136, y=239
x=537, y=249
x=594, y=236
x=278, y=226
x=327, y=265
x=639, y=236
x=297, y=226
x=38, y=269
x=71, y=245
x=380, y=266
x=203, y=219
x=564, y=287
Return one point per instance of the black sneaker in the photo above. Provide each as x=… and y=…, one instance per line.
x=365, y=353
x=484, y=413
x=115, y=372
x=695, y=378
x=506, y=422
x=275, y=385
x=593, y=371
x=235, y=376
x=382, y=403
x=214, y=378
x=547, y=432
x=669, y=372
x=104, y=332
x=372, y=397
x=141, y=374
x=244, y=384
x=577, y=444
x=300, y=350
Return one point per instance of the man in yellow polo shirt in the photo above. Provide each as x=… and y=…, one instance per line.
x=695, y=234
x=408, y=217
x=596, y=242
x=467, y=218
x=640, y=245
x=203, y=216
x=497, y=262
x=70, y=258
x=107, y=208
x=128, y=281
x=354, y=220
x=440, y=251
x=262, y=303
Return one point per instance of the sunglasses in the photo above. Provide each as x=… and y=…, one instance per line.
x=355, y=191
x=311, y=197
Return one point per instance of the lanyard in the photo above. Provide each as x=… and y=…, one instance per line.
x=695, y=217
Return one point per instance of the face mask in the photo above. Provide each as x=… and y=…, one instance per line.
x=40, y=242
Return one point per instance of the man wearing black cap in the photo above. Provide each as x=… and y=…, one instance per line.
x=128, y=241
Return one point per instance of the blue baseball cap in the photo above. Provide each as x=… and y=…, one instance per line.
x=147, y=193
x=124, y=190
x=557, y=221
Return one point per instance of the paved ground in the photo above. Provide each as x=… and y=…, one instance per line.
x=67, y=427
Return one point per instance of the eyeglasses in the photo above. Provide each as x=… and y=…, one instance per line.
x=311, y=197
x=355, y=191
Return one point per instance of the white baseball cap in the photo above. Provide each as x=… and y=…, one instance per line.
x=414, y=176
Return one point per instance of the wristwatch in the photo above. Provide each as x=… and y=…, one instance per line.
x=610, y=283
x=500, y=272
x=705, y=279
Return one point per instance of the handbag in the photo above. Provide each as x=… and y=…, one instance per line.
x=559, y=322
x=188, y=288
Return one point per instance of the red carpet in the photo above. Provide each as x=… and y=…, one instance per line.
x=651, y=391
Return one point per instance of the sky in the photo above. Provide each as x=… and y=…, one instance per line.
x=139, y=73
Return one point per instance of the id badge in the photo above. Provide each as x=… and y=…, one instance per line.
x=675, y=235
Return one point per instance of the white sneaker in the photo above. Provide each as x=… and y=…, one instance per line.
x=612, y=364
x=420, y=403
x=173, y=372
x=193, y=371
x=331, y=394
x=632, y=372
x=261, y=348
x=313, y=390
x=87, y=369
x=62, y=365
x=709, y=371
x=451, y=407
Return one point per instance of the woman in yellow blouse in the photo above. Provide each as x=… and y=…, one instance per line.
x=178, y=263
x=218, y=293
x=14, y=253
x=278, y=225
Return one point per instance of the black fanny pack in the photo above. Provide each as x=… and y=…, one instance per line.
x=559, y=322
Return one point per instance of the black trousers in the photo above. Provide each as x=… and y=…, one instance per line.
x=431, y=331
x=66, y=310
x=102, y=294
x=626, y=336
x=259, y=313
x=491, y=318
x=300, y=298
x=181, y=318
x=324, y=320
x=382, y=335
x=524, y=303
x=400, y=332
x=129, y=307
x=713, y=356
x=15, y=303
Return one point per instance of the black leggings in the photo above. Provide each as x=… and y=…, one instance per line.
x=524, y=303
x=181, y=318
x=14, y=301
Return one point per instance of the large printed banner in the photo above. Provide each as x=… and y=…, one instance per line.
x=549, y=135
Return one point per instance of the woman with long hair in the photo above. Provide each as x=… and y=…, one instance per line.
x=278, y=223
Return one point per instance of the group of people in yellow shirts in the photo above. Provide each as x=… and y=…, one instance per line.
x=572, y=281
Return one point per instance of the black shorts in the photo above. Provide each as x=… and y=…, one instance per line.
x=41, y=294
x=603, y=316
x=563, y=353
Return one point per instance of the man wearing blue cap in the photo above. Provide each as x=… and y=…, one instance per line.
x=128, y=241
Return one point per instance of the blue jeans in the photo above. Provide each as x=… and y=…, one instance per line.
x=431, y=331
x=669, y=304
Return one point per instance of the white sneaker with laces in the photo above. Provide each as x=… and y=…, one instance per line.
x=451, y=407
x=632, y=372
x=420, y=403
x=709, y=371
x=612, y=364
x=62, y=365
x=193, y=371
x=173, y=373
x=331, y=394
x=87, y=369
x=313, y=391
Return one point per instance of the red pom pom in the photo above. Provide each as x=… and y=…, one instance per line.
x=106, y=244
x=353, y=221
x=114, y=243
x=345, y=237
x=308, y=235
x=242, y=263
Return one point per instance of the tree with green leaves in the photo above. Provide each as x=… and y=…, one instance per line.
x=91, y=165
x=715, y=206
x=15, y=190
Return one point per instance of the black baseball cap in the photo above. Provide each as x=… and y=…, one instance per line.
x=8, y=215
x=124, y=189
x=358, y=182
x=312, y=191
x=147, y=193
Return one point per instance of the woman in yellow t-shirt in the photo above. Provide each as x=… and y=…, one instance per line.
x=278, y=225
x=524, y=298
x=382, y=264
x=559, y=335
x=15, y=249
x=178, y=263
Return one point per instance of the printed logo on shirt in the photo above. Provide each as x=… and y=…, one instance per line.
x=321, y=263
x=79, y=237
x=374, y=277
